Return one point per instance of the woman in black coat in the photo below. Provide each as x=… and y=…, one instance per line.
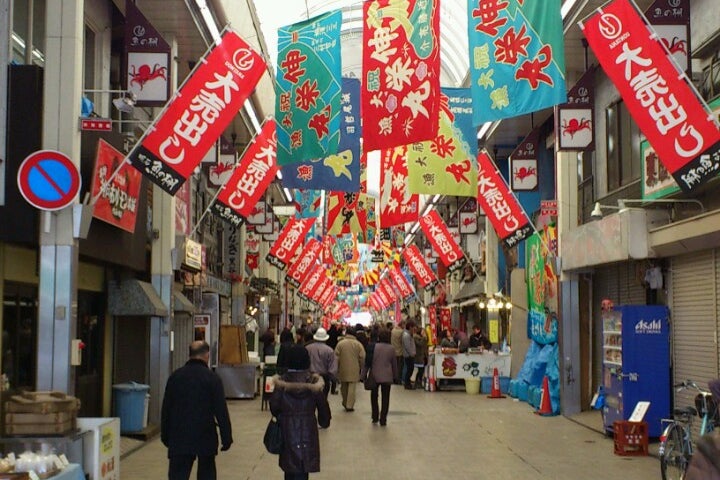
x=298, y=395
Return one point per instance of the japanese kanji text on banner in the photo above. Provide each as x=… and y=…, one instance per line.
x=292, y=235
x=441, y=240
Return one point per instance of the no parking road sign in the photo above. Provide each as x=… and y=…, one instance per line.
x=49, y=180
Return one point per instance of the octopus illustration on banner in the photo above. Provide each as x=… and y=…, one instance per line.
x=517, y=57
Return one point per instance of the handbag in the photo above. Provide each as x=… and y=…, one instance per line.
x=369, y=381
x=273, y=437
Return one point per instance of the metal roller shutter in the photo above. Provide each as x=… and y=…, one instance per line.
x=694, y=313
x=183, y=328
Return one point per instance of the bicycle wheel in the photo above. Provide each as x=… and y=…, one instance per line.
x=674, y=459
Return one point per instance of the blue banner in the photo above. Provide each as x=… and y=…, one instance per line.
x=340, y=172
x=460, y=102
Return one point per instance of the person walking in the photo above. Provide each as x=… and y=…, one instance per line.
x=193, y=409
x=322, y=358
x=408, y=352
x=421, y=354
x=351, y=357
x=334, y=334
x=297, y=399
x=396, y=341
x=268, y=341
x=382, y=366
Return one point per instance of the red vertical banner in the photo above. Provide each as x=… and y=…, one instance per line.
x=291, y=236
x=420, y=269
x=312, y=282
x=445, y=316
x=397, y=204
x=404, y=288
x=257, y=169
x=203, y=107
x=441, y=240
x=303, y=265
x=675, y=122
x=433, y=321
x=500, y=205
x=401, y=68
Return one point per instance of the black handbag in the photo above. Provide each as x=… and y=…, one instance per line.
x=369, y=381
x=273, y=437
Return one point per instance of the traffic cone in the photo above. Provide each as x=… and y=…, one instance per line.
x=495, y=390
x=545, y=408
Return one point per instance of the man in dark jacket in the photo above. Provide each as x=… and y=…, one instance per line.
x=194, y=403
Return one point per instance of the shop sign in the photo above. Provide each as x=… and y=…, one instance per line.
x=117, y=200
x=500, y=205
x=198, y=114
x=523, y=160
x=549, y=208
x=574, y=124
x=662, y=103
x=442, y=241
x=671, y=21
x=193, y=254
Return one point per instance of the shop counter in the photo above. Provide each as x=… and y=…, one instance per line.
x=460, y=366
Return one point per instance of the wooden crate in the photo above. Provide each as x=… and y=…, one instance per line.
x=39, y=418
x=40, y=428
x=42, y=402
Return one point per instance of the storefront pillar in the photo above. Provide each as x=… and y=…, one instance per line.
x=57, y=312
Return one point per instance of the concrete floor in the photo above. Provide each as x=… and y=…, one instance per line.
x=428, y=436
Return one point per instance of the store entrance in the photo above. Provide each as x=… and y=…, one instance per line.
x=19, y=335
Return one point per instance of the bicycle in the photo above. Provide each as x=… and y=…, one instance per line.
x=676, y=443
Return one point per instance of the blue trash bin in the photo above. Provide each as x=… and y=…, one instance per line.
x=129, y=405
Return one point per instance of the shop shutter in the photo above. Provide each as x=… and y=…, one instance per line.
x=694, y=287
x=631, y=289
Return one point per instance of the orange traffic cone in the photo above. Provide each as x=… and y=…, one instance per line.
x=495, y=391
x=545, y=405
x=431, y=384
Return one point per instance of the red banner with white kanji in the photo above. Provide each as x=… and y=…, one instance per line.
x=404, y=288
x=432, y=321
x=445, y=317
x=204, y=106
x=397, y=204
x=312, y=282
x=291, y=236
x=437, y=233
x=302, y=266
x=420, y=269
x=252, y=176
x=674, y=120
x=500, y=205
x=401, y=68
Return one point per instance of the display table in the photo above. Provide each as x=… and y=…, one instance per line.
x=460, y=366
x=239, y=381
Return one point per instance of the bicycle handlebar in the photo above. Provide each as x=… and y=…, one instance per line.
x=689, y=384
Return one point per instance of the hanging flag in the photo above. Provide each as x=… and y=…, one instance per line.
x=312, y=281
x=460, y=104
x=675, y=122
x=387, y=291
x=443, y=165
x=432, y=320
x=445, y=317
x=574, y=126
x=339, y=172
x=524, y=162
x=291, y=236
x=397, y=204
x=517, y=57
x=500, y=205
x=401, y=68
x=147, y=59
x=671, y=21
x=347, y=213
x=420, y=269
x=435, y=230
x=252, y=250
x=206, y=103
x=238, y=198
x=404, y=288
x=307, y=104
x=306, y=260
x=118, y=202
x=308, y=203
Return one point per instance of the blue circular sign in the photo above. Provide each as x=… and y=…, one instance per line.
x=49, y=180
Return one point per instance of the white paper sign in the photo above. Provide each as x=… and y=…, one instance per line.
x=638, y=414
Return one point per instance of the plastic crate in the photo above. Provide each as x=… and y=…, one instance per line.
x=631, y=438
x=486, y=384
x=504, y=385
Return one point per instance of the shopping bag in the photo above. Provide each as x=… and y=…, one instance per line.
x=273, y=437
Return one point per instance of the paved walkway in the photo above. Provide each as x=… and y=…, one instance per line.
x=428, y=436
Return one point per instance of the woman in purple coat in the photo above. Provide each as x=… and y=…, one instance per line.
x=383, y=368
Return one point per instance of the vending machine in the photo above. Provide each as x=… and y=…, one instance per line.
x=636, y=364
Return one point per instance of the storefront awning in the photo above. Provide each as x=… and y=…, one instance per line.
x=135, y=298
x=470, y=292
x=182, y=304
